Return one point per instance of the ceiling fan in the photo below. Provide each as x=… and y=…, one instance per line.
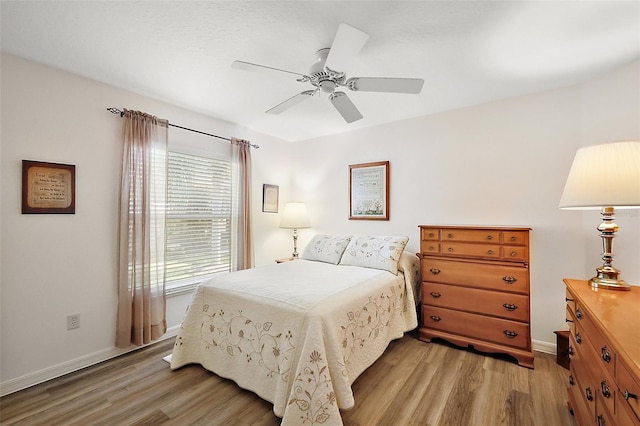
x=326, y=76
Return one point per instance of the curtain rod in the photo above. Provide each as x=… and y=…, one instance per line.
x=113, y=110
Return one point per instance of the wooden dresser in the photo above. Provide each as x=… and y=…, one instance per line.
x=475, y=288
x=604, y=345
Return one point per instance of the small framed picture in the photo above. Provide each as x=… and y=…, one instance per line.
x=270, y=198
x=369, y=191
x=48, y=188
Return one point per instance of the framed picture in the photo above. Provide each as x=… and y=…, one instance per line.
x=48, y=188
x=369, y=191
x=270, y=198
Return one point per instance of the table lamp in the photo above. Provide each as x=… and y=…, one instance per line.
x=295, y=217
x=605, y=177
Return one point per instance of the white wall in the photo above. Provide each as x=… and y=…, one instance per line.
x=503, y=163
x=56, y=265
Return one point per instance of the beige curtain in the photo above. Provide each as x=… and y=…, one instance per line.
x=141, y=228
x=241, y=246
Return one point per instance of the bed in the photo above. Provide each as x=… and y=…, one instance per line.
x=299, y=333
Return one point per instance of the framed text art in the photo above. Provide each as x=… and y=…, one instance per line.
x=369, y=191
x=48, y=188
x=270, y=198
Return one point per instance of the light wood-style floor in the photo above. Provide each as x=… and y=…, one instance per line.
x=413, y=383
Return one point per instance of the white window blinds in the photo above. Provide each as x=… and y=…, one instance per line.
x=198, y=218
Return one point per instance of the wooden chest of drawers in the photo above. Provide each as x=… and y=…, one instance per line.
x=604, y=346
x=475, y=288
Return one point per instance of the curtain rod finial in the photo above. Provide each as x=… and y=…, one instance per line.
x=113, y=110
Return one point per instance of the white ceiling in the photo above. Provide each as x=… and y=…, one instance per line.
x=468, y=52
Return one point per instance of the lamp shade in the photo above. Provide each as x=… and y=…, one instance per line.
x=295, y=216
x=606, y=175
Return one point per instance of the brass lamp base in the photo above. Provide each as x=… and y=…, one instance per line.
x=608, y=278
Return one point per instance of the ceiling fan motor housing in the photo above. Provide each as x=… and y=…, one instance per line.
x=323, y=78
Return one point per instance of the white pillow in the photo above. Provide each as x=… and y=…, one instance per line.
x=382, y=252
x=326, y=248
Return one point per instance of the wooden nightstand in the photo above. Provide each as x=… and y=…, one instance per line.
x=284, y=259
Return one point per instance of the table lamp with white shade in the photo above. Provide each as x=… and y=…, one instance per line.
x=295, y=217
x=605, y=177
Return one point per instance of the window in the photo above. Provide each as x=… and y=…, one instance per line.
x=198, y=226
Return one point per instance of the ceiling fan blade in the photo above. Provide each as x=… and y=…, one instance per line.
x=382, y=84
x=294, y=100
x=345, y=107
x=248, y=66
x=347, y=44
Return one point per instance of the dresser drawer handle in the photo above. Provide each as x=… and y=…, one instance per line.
x=450, y=249
x=588, y=394
x=509, y=280
x=628, y=395
x=435, y=294
x=489, y=251
x=489, y=237
x=449, y=235
x=605, y=389
x=578, y=338
x=566, y=299
x=434, y=271
x=601, y=421
x=571, y=380
x=435, y=318
x=509, y=306
x=568, y=320
x=606, y=355
x=431, y=248
x=510, y=334
x=514, y=254
x=431, y=234
x=513, y=238
x=570, y=351
x=578, y=313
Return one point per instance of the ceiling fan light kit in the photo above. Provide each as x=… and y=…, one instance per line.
x=324, y=77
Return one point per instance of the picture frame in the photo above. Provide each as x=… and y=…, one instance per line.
x=48, y=188
x=270, y=194
x=369, y=191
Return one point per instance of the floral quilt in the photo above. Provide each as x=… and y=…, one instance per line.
x=298, y=333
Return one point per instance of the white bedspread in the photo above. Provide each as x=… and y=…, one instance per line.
x=298, y=333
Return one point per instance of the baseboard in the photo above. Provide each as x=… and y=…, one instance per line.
x=31, y=379
x=546, y=347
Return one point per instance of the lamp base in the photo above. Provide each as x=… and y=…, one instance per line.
x=608, y=278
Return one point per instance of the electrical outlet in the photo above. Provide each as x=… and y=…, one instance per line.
x=73, y=321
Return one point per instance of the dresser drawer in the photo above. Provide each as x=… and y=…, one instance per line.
x=579, y=406
x=603, y=417
x=570, y=299
x=497, y=330
x=629, y=387
x=471, y=235
x=430, y=234
x=494, y=303
x=625, y=416
x=515, y=253
x=430, y=247
x=571, y=321
x=519, y=238
x=514, y=279
x=584, y=387
x=489, y=251
x=605, y=353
